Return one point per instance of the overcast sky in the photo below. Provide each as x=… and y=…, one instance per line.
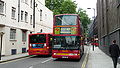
x=84, y=4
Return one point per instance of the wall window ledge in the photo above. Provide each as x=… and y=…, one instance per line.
x=22, y=21
x=26, y=22
x=24, y=41
x=13, y=18
x=13, y=40
x=2, y=14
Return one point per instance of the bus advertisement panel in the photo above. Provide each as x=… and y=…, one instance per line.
x=67, y=33
x=40, y=44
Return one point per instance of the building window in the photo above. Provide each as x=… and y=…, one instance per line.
x=21, y=15
x=31, y=19
x=24, y=35
x=1, y=6
x=13, y=12
x=26, y=17
x=13, y=34
x=40, y=15
x=31, y=3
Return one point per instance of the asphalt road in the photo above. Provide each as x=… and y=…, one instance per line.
x=44, y=62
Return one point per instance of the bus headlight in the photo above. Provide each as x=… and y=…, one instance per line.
x=75, y=54
x=54, y=53
x=30, y=45
x=45, y=45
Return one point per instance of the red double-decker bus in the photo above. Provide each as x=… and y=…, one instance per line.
x=40, y=44
x=95, y=42
x=67, y=37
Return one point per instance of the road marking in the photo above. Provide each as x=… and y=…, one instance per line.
x=47, y=60
x=86, y=59
x=8, y=61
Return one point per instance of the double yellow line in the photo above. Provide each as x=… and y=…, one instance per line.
x=86, y=59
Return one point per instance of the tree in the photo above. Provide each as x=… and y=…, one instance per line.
x=68, y=7
x=85, y=20
x=61, y=6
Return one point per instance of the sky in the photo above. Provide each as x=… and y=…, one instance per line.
x=84, y=4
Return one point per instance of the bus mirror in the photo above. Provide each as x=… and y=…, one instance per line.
x=50, y=39
x=81, y=38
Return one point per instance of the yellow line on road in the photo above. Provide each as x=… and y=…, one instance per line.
x=86, y=60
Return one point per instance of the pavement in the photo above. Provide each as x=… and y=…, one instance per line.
x=98, y=59
x=13, y=57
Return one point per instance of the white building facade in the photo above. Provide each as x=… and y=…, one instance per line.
x=16, y=22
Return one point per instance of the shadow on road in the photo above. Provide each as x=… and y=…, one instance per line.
x=67, y=60
x=41, y=56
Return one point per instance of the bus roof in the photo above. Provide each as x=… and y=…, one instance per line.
x=40, y=33
x=66, y=14
x=66, y=35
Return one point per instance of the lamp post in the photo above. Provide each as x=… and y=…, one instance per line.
x=93, y=10
x=93, y=27
x=1, y=34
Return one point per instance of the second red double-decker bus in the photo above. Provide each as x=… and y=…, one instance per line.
x=40, y=44
x=95, y=42
x=67, y=37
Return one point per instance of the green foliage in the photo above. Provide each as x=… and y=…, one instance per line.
x=84, y=18
x=68, y=7
x=61, y=6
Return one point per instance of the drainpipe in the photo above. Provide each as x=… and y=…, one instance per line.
x=18, y=10
x=1, y=34
x=33, y=13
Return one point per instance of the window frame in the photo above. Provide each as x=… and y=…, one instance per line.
x=24, y=35
x=12, y=34
x=22, y=14
x=2, y=7
x=13, y=13
x=26, y=17
x=41, y=14
x=31, y=19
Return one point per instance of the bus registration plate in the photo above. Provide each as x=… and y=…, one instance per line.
x=37, y=52
x=64, y=57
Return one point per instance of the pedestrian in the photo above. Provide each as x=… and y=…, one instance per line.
x=114, y=52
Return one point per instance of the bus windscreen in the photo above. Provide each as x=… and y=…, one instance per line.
x=39, y=38
x=66, y=20
x=66, y=42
